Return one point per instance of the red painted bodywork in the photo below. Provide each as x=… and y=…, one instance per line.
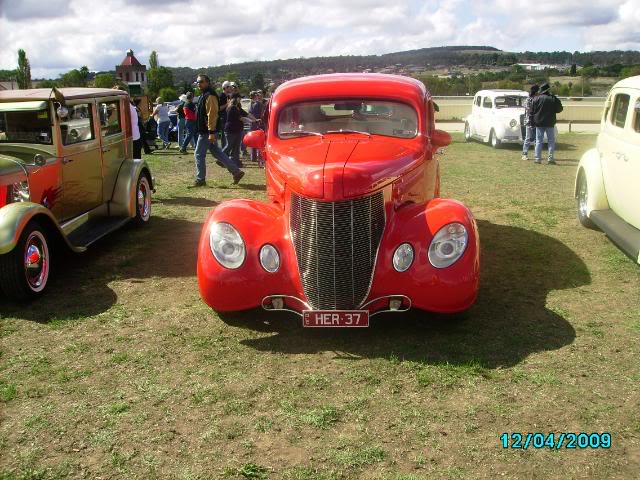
x=339, y=167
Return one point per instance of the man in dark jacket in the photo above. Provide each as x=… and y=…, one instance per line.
x=545, y=107
x=206, y=121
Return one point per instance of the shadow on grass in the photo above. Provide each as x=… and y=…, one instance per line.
x=509, y=321
x=165, y=247
x=188, y=201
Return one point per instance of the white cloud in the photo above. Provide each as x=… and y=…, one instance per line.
x=62, y=34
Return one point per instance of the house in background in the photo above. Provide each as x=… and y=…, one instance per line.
x=133, y=73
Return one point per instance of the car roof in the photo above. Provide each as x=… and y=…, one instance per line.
x=47, y=93
x=499, y=91
x=345, y=85
x=631, y=82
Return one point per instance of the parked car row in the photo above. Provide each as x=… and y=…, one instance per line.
x=354, y=224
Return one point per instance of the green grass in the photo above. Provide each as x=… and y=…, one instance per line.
x=122, y=372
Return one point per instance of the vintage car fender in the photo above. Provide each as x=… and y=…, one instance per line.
x=243, y=288
x=123, y=200
x=446, y=290
x=14, y=217
x=498, y=126
x=592, y=168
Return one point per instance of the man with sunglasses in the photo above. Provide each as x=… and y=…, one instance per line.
x=207, y=118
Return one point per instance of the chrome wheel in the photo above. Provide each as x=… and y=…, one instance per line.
x=583, y=197
x=36, y=261
x=494, y=140
x=467, y=132
x=143, y=199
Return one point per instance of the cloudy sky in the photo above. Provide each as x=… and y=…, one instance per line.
x=59, y=35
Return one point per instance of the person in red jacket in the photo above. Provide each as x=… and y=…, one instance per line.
x=190, y=117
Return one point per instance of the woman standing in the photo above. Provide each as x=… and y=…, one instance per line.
x=161, y=112
x=233, y=128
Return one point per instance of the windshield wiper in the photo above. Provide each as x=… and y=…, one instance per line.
x=343, y=130
x=300, y=132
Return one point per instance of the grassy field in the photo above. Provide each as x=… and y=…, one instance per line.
x=121, y=372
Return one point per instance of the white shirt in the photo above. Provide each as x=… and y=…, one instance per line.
x=134, y=122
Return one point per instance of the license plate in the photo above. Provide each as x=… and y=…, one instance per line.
x=335, y=318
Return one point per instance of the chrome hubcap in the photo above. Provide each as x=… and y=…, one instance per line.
x=582, y=198
x=144, y=199
x=36, y=261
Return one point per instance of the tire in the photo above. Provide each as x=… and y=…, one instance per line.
x=582, y=196
x=494, y=141
x=143, y=200
x=467, y=132
x=25, y=271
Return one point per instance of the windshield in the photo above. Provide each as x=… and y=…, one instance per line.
x=26, y=126
x=370, y=117
x=510, y=101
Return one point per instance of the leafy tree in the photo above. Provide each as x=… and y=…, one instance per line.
x=153, y=60
x=630, y=71
x=573, y=70
x=168, y=94
x=105, y=80
x=47, y=84
x=75, y=78
x=157, y=79
x=257, y=82
x=23, y=72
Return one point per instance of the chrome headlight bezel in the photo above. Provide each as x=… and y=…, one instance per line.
x=448, y=245
x=223, y=235
x=269, y=253
x=403, y=257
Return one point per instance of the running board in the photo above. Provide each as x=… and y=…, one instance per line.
x=94, y=229
x=625, y=236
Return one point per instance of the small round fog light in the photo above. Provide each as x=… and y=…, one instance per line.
x=513, y=123
x=269, y=258
x=403, y=257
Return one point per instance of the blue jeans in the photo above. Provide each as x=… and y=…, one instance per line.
x=163, y=131
x=200, y=155
x=190, y=126
x=551, y=139
x=232, y=149
x=181, y=130
x=529, y=138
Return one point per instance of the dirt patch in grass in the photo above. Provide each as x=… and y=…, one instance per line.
x=122, y=372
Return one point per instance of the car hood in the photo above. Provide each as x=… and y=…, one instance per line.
x=340, y=167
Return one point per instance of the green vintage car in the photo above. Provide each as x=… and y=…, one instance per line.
x=67, y=178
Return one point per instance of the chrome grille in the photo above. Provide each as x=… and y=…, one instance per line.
x=336, y=244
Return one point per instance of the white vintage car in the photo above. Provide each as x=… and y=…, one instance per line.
x=497, y=117
x=607, y=186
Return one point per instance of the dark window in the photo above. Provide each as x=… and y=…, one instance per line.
x=77, y=126
x=636, y=118
x=110, y=121
x=487, y=102
x=477, y=102
x=25, y=126
x=620, y=108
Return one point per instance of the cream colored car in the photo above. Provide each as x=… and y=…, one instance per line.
x=608, y=178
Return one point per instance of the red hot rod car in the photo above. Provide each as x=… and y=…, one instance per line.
x=354, y=224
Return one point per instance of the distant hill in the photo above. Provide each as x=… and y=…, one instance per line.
x=408, y=62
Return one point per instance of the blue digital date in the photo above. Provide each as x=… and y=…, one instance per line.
x=555, y=441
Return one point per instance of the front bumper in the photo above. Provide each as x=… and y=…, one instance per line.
x=422, y=286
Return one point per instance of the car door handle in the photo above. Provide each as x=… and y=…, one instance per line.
x=105, y=149
x=66, y=160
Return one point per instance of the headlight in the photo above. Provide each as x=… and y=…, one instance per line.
x=19, y=192
x=269, y=258
x=226, y=245
x=448, y=245
x=403, y=257
x=513, y=123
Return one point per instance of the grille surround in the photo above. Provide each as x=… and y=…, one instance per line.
x=336, y=246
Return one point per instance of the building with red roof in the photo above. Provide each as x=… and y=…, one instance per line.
x=132, y=72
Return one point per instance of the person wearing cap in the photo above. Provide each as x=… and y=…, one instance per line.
x=161, y=113
x=256, y=109
x=206, y=123
x=223, y=99
x=545, y=108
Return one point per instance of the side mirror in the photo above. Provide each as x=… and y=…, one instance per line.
x=439, y=138
x=255, y=139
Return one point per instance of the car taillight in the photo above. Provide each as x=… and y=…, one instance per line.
x=4, y=192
